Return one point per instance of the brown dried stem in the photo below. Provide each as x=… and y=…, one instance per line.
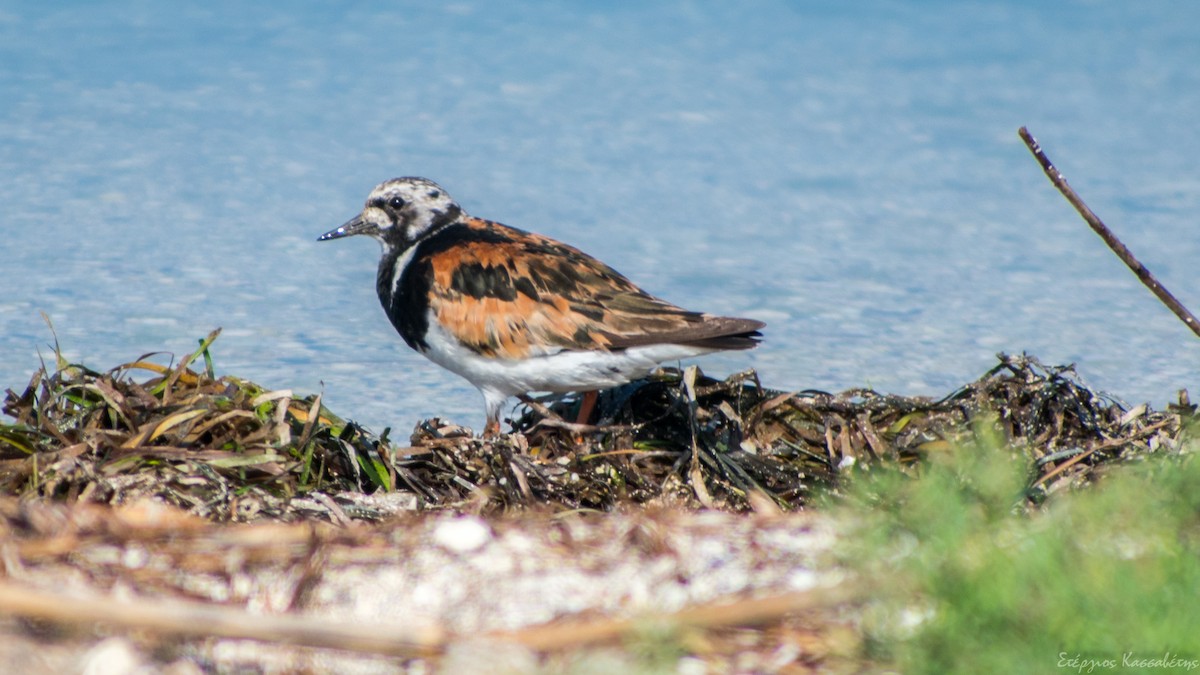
x=723, y=613
x=1106, y=234
x=172, y=617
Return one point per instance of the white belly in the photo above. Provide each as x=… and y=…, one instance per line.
x=561, y=371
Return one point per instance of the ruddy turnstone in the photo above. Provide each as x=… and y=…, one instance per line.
x=514, y=312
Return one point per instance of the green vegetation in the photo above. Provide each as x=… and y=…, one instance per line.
x=966, y=577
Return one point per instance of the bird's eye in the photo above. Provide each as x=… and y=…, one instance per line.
x=396, y=203
x=434, y=194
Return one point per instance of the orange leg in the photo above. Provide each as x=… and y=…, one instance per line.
x=491, y=429
x=493, y=402
x=587, y=406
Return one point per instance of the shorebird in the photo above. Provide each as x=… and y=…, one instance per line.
x=515, y=312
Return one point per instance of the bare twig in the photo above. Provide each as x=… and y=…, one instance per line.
x=201, y=620
x=1107, y=445
x=1106, y=234
x=197, y=619
x=742, y=612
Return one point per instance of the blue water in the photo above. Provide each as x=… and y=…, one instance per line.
x=848, y=172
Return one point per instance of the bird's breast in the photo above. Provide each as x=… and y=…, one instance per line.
x=403, y=284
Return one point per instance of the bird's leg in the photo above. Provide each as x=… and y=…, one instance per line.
x=491, y=429
x=493, y=402
x=586, y=406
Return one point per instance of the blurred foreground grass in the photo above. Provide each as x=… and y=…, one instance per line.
x=965, y=577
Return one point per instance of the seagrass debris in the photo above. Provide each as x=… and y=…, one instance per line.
x=228, y=449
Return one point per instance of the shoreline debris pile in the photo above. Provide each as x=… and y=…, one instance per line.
x=230, y=450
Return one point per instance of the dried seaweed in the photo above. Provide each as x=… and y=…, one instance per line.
x=228, y=449
x=223, y=448
x=750, y=439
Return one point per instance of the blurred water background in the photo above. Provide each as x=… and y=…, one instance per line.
x=848, y=172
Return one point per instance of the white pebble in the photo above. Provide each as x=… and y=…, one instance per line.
x=462, y=535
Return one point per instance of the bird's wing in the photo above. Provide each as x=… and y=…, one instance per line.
x=507, y=293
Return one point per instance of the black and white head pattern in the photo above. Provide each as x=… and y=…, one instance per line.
x=401, y=211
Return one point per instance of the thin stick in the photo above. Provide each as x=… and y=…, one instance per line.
x=197, y=619
x=742, y=612
x=1107, y=445
x=1106, y=234
x=203, y=620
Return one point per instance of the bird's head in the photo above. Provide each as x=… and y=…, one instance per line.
x=401, y=211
